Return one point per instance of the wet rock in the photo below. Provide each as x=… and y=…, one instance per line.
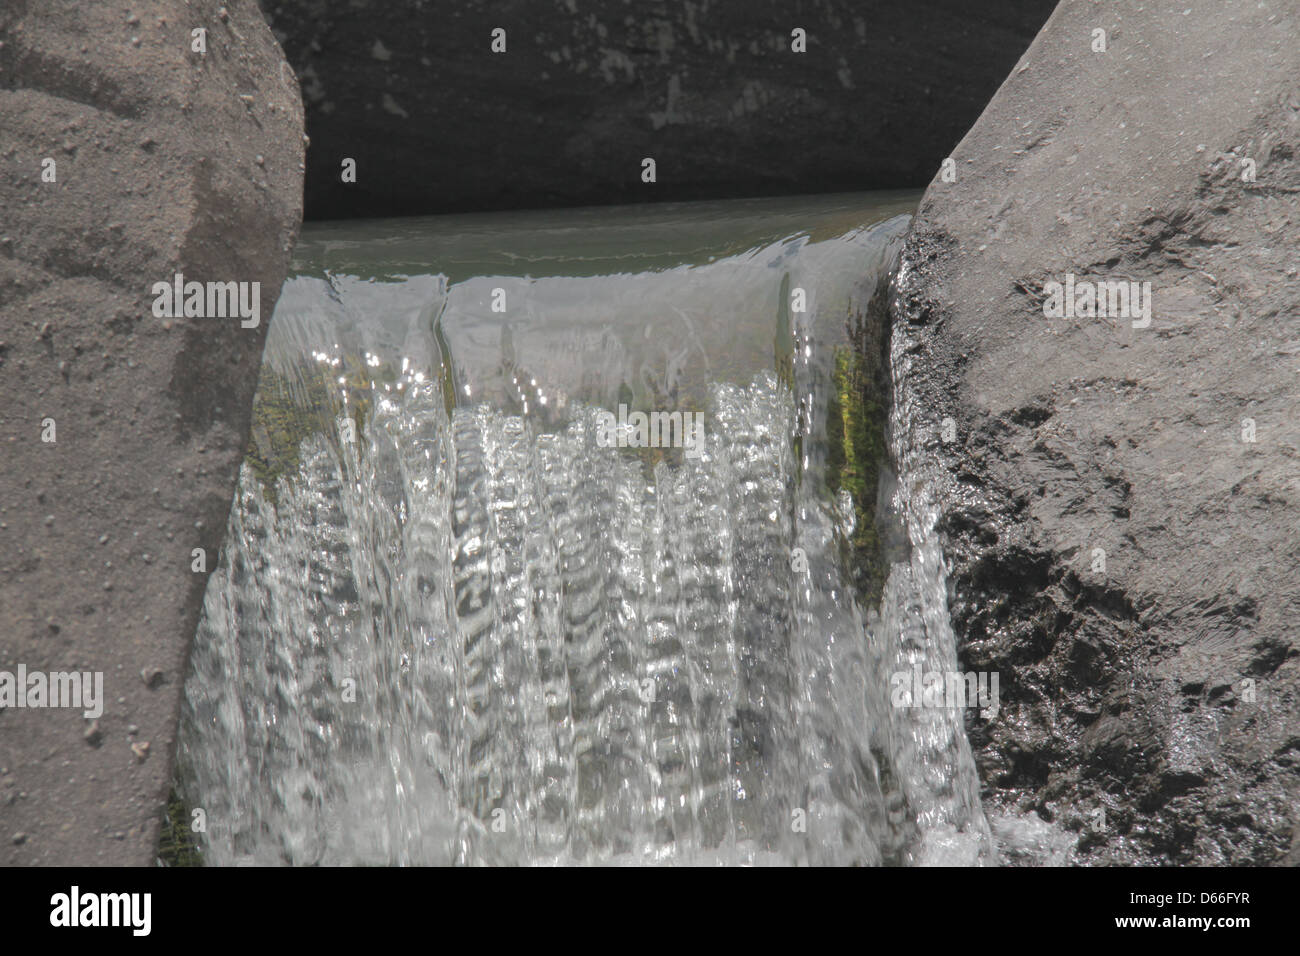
x=1120, y=504
x=86, y=244
x=714, y=92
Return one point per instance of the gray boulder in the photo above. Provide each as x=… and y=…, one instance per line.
x=1122, y=502
x=160, y=160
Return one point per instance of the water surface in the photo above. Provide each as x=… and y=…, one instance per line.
x=450, y=626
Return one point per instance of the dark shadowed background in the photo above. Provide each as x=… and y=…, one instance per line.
x=586, y=89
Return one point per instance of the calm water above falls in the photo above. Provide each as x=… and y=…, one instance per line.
x=451, y=626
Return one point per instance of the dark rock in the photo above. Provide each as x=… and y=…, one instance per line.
x=1159, y=679
x=584, y=91
x=135, y=401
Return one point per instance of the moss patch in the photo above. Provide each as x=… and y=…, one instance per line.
x=290, y=407
x=178, y=844
x=856, y=419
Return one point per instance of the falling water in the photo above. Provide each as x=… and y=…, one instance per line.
x=450, y=625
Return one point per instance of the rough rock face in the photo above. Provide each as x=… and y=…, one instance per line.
x=1149, y=693
x=164, y=160
x=711, y=90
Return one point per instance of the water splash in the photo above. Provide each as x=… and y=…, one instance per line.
x=933, y=752
x=451, y=627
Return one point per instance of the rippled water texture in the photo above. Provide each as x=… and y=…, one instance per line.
x=449, y=626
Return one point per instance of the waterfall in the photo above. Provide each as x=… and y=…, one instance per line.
x=454, y=624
